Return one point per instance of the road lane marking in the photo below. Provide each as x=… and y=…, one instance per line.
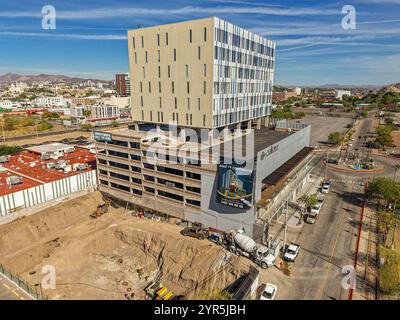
x=15, y=293
x=8, y=287
x=330, y=259
x=22, y=298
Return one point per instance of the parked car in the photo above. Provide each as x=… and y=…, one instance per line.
x=313, y=214
x=325, y=189
x=269, y=292
x=291, y=252
x=326, y=186
x=317, y=208
x=328, y=183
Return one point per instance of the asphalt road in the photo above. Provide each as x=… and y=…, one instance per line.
x=326, y=248
x=9, y=291
x=330, y=244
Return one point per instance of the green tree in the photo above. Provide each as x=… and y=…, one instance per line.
x=299, y=115
x=389, y=273
x=87, y=113
x=9, y=150
x=335, y=138
x=307, y=202
x=284, y=113
x=388, y=223
x=44, y=126
x=383, y=191
x=384, y=136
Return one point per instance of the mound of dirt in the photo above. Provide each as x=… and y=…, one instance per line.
x=112, y=256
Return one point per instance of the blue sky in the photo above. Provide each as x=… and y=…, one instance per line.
x=312, y=47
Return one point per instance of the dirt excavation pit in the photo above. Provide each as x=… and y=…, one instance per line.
x=114, y=256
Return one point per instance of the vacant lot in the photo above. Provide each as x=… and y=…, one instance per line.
x=322, y=126
x=48, y=138
x=114, y=255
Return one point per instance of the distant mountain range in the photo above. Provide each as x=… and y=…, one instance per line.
x=348, y=86
x=395, y=87
x=333, y=86
x=10, y=78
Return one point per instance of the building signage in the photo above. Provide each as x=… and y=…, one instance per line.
x=269, y=151
x=235, y=186
x=102, y=136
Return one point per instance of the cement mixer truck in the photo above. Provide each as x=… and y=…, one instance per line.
x=243, y=245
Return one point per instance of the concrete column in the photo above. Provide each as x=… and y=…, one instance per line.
x=258, y=124
x=225, y=133
x=266, y=121
x=238, y=130
x=249, y=125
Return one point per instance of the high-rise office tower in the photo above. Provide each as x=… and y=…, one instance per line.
x=123, y=84
x=205, y=73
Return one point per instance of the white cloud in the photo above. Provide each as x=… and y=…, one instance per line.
x=66, y=36
x=114, y=12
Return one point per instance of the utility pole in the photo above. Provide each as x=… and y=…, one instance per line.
x=326, y=164
x=285, y=233
x=4, y=133
x=36, y=130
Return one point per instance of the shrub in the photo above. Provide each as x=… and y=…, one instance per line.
x=44, y=125
x=86, y=127
x=389, y=273
x=9, y=150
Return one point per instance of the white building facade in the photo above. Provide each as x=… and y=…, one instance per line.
x=243, y=75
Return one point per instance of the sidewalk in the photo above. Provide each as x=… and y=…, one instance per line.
x=366, y=267
x=294, y=216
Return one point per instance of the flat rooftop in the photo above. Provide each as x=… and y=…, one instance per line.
x=7, y=189
x=32, y=168
x=273, y=183
x=263, y=138
x=51, y=147
x=287, y=167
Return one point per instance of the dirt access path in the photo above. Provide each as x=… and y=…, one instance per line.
x=113, y=255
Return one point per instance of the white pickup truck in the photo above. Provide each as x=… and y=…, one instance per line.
x=291, y=253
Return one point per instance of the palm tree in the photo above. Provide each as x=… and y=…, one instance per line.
x=306, y=201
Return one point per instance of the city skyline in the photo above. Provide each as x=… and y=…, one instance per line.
x=312, y=47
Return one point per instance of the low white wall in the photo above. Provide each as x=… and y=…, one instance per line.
x=16, y=201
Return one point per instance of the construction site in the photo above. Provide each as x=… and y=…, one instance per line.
x=114, y=254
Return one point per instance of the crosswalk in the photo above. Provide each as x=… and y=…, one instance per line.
x=359, y=183
x=356, y=185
